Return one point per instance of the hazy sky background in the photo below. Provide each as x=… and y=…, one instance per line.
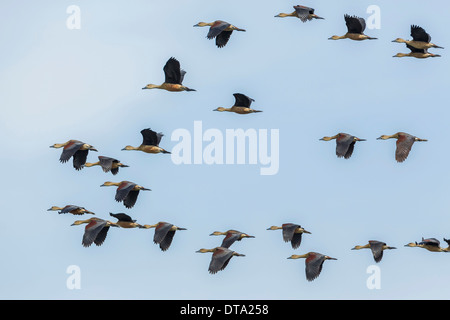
x=60, y=84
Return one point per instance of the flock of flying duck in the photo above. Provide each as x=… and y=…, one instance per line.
x=127, y=192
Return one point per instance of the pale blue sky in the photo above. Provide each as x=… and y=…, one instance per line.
x=60, y=84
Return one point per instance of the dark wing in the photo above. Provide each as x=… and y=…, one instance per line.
x=355, y=24
x=69, y=150
x=93, y=228
x=101, y=236
x=241, y=100
x=79, y=159
x=130, y=199
x=314, y=265
x=161, y=231
x=167, y=241
x=377, y=249
x=404, y=145
x=415, y=50
x=150, y=137
x=304, y=12
x=351, y=147
x=289, y=231
x=114, y=171
x=419, y=34
x=220, y=259
x=296, y=240
x=172, y=71
x=106, y=163
x=229, y=239
x=431, y=242
x=343, y=143
x=216, y=29
x=222, y=38
x=122, y=217
x=69, y=208
x=123, y=190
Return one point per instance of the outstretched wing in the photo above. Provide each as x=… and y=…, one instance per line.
x=314, y=265
x=229, y=239
x=404, y=145
x=355, y=24
x=106, y=163
x=167, y=241
x=161, y=231
x=123, y=189
x=122, y=217
x=172, y=71
x=377, y=249
x=241, y=100
x=304, y=12
x=419, y=34
x=220, y=259
x=69, y=150
x=79, y=159
x=130, y=199
x=150, y=137
x=289, y=231
x=217, y=28
x=222, y=38
x=101, y=236
x=92, y=229
x=296, y=240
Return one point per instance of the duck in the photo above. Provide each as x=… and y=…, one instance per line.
x=95, y=231
x=303, y=13
x=127, y=192
x=241, y=105
x=174, y=77
x=355, y=29
x=405, y=142
x=220, y=258
x=420, y=39
x=313, y=263
x=107, y=164
x=345, y=144
x=231, y=236
x=220, y=30
x=150, y=142
x=76, y=149
x=125, y=221
x=164, y=233
x=292, y=232
x=377, y=248
x=75, y=210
